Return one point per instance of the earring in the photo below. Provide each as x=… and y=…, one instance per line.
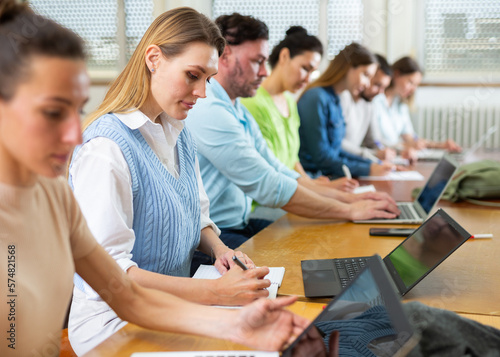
x=153, y=70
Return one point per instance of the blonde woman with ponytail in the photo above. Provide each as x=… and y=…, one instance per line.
x=137, y=179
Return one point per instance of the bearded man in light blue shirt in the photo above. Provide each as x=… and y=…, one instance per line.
x=235, y=163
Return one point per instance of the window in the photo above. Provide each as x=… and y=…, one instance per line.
x=341, y=19
x=98, y=23
x=278, y=15
x=461, y=36
x=345, y=24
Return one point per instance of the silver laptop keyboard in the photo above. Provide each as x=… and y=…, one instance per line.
x=349, y=268
x=406, y=212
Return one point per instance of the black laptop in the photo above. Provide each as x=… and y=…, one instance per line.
x=367, y=315
x=409, y=263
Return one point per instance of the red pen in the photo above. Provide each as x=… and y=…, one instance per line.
x=481, y=236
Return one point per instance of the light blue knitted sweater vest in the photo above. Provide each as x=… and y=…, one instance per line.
x=166, y=210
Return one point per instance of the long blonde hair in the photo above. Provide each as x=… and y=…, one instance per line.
x=172, y=31
x=351, y=56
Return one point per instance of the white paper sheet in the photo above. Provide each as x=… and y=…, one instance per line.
x=363, y=189
x=396, y=176
x=275, y=276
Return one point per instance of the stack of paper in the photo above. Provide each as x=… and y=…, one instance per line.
x=396, y=176
x=363, y=189
x=275, y=276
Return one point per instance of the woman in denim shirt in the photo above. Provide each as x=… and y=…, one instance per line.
x=322, y=125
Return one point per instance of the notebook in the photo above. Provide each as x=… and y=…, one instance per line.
x=362, y=189
x=368, y=311
x=430, y=154
x=396, y=176
x=417, y=211
x=407, y=264
x=275, y=276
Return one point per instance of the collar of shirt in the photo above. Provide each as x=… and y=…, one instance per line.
x=218, y=91
x=396, y=103
x=383, y=99
x=162, y=138
x=136, y=119
x=331, y=92
x=239, y=111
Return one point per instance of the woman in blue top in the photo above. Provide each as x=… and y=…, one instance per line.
x=322, y=125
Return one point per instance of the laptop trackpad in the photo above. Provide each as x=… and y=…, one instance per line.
x=320, y=279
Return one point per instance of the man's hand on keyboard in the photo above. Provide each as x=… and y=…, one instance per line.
x=368, y=209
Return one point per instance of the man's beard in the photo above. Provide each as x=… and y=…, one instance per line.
x=238, y=89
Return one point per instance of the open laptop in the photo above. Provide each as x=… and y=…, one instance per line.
x=367, y=314
x=417, y=211
x=407, y=264
x=437, y=154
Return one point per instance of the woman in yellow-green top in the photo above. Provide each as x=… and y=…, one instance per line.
x=280, y=131
x=292, y=61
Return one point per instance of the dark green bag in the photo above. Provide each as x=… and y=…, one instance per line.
x=473, y=182
x=476, y=180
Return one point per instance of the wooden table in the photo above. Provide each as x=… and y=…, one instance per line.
x=133, y=338
x=467, y=282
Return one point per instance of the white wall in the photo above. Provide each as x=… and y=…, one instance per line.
x=468, y=97
x=97, y=93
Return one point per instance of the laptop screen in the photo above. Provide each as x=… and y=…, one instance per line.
x=367, y=315
x=436, y=184
x=426, y=248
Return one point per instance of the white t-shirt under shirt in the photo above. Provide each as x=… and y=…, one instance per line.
x=42, y=231
x=359, y=128
x=392, y=121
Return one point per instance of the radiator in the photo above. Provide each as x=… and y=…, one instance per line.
x=465, y=126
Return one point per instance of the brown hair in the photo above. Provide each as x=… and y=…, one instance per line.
x=237, y=28
x=351, y=56
x=405, y=65
x=298, y=41
x=24, y=34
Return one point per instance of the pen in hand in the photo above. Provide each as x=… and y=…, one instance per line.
x=239, y=263
x=347, y=172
